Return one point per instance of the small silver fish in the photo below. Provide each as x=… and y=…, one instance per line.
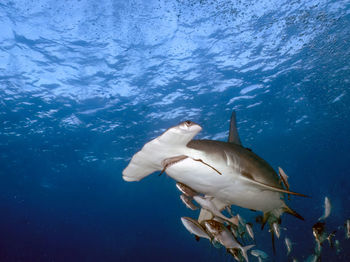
x=312, y=258
x=276, y=229
x=337, y=246
x=194, y=227
x=225, y=237
x=249, y=228
x=347, y=229
x=318, y=248
x=188, y=202
x=260, y=259
x=330, y=238
x=327, y=209
x=288, y=245
x=318, y=230
x=186, y=190
x=234, y=230
x=261, y=255
x=221, y=233
x=284, y=179
x=241, y=219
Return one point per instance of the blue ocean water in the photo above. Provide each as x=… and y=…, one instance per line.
x=85, y=84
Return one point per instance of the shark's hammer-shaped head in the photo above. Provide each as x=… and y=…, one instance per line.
x=169, y=144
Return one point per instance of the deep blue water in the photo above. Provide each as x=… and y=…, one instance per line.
x=84, y=84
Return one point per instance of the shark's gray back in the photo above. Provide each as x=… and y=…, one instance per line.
x=249, y=163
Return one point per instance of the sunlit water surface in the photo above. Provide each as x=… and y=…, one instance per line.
x=84, y=84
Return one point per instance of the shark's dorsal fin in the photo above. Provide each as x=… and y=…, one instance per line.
x=233, y=136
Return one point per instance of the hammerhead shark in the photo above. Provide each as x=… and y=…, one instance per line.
x=227, y=172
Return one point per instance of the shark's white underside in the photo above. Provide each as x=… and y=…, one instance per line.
x=229, y=188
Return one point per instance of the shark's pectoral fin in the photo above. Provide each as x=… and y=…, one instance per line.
x=248, y=177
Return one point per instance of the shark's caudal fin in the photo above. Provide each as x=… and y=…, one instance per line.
x=167, y=145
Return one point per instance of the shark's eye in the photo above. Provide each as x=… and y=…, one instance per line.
x=188, y=123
